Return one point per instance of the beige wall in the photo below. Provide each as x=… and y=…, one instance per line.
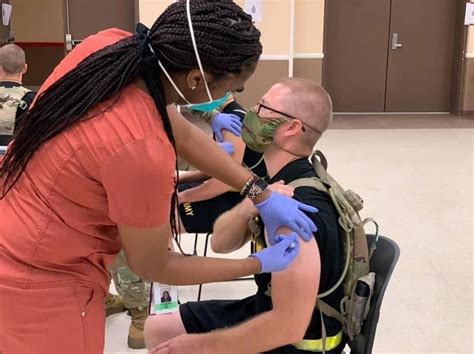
x=275, y=26
x=150, y=10
x=38, y=20
x=309, y=26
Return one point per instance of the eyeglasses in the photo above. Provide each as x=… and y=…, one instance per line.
x=286, y=115
x=261, y=105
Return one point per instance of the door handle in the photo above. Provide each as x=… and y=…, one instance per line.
x=70, y=43
x=395, y=44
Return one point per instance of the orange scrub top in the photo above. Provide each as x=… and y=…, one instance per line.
x=58, y=225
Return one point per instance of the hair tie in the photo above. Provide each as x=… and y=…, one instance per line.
x=143, y=38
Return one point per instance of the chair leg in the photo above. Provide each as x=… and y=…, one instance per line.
x=199, y=292
x=204, y=255
x=206, y=244
x=195, y=244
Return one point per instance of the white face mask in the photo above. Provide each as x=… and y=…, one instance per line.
x=204, y=106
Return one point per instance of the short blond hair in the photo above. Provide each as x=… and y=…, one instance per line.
x=12, y=59
x=310, y=103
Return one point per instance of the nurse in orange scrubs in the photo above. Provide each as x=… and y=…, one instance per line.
x=92, y=170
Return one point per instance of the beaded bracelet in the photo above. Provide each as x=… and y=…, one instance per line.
x=253, y=188
x=246, y=188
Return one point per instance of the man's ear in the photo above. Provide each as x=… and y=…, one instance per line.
x=25, y=69
x=295, y=127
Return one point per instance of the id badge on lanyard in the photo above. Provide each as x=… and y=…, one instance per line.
x=163, y=299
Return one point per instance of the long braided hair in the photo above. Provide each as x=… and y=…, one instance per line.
x=227, y=41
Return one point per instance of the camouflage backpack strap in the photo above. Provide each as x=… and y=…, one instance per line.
x=310, y=182
x=330, y=311
x=320, y=164
x=322, y=182
x=373, y=244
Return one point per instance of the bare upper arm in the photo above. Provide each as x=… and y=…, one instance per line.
x=145, y=248
x=294, y=291
x=239, y=146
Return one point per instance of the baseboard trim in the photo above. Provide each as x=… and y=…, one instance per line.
x=390, y=113
x=468, y=114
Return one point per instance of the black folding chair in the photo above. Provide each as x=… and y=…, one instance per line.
x=383, y=263
x=206, y=245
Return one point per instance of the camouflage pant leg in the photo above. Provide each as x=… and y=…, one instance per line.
x=183, y=165
x=134, y=290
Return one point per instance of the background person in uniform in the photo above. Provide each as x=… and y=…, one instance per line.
x=93, y=171
x=15, y=99
x=134, y=296
x=286, y=125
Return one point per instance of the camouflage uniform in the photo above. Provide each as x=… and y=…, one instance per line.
x=135, y=293
x=134, y=290
x=11, y=99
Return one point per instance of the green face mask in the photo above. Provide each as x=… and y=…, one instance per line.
x=257, y=132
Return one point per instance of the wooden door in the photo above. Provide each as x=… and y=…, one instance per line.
x=420, y=63
x=355, y=54
x=86, y=17
x=390, y=55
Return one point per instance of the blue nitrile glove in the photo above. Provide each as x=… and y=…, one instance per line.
x=229, y=122
x=227, y=146
x=279, y=210
x=279, y=256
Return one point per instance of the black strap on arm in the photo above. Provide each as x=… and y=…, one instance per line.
x=28, y=98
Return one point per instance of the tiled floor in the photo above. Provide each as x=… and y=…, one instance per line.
x=418, y=183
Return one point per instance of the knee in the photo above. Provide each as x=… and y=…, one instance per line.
x=157, y=330
x=152, y=332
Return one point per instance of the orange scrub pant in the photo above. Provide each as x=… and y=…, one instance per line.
x=63, y=319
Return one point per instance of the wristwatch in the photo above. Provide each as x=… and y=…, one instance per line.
x=257, y=188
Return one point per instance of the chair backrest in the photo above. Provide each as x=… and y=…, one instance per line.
x=5, y=139
x=383, y=263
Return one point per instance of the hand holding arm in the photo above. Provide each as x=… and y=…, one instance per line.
x=214, y=162
x=224, y=121
x=227, y=239
x=278, y=211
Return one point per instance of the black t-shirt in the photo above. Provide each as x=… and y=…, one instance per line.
x=27, y=98
x=328, y=240
x=252, y=159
